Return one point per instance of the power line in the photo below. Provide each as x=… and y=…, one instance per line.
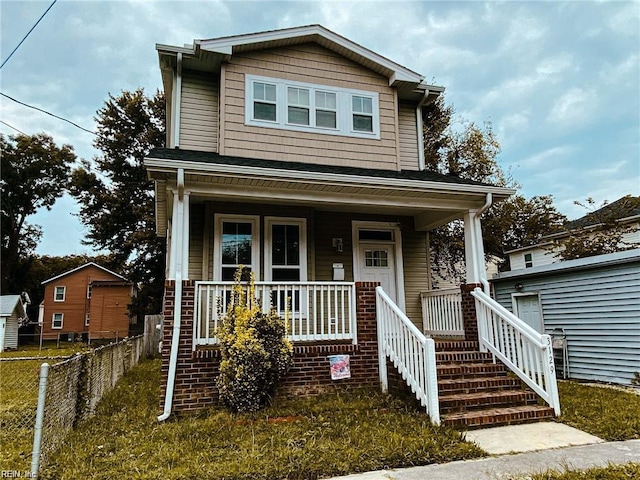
x=11, y=126
x=28, y=33
x=49, y=113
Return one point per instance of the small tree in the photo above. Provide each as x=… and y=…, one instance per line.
x=255, y=351
x=600, y=231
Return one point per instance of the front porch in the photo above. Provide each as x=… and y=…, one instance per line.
x=320, y=239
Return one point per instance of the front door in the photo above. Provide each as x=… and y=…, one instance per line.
x=377, y=264
x=528, y=310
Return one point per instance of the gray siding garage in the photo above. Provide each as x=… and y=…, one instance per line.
x=596, y=300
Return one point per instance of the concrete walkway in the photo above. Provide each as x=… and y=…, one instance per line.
x=545, y=446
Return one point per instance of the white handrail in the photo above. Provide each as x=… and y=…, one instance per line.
x=412, y=353
x=316, y=310
x=526, y=352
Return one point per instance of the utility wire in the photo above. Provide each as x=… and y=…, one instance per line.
x=11, y=126
x=49, y=113
x=28, y=33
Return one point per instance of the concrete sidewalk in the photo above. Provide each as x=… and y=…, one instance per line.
x=585, y=455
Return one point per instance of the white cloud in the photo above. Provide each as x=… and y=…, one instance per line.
x=550, y=156
x=575, y=107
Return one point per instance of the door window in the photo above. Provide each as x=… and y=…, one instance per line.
x=376, y=258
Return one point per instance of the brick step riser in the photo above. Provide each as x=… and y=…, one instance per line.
x=462, y=357
x=495, y=421
x=446, y=388
x=519, y=399
x=450, y=372
x=456, y=346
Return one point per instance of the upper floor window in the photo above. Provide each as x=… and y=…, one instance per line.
x=528, y=260
x=306, y=107
x=264, y=101
x=362, y=110
x=59, y=294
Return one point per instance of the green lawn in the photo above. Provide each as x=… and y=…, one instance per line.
x=326, y=436
x=18, y=400
x=608, y=413
x=330, y=435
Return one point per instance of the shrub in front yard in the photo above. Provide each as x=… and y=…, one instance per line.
x=255, y=351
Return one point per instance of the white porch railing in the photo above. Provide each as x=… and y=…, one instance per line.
x=525, y=351
x=411, y=352
x=442, y=312
x=316, y=310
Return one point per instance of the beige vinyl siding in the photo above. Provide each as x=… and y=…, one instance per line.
x=331, y=225
x=199, y=112
x=309, y=63
x=408, y=135
x=196, y=235
x=416, y=273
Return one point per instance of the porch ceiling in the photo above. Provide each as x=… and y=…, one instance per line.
x=432, y=203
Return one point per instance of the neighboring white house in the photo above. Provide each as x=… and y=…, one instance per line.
x=625, y=210
x=13, y=312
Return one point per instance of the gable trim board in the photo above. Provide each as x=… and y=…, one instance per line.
x=90, y=264
x=597, y=303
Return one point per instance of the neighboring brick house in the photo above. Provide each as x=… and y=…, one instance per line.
x=89, y=300
x=298, y=154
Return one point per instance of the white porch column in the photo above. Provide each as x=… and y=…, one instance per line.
x=471, y=248
x=179, y=244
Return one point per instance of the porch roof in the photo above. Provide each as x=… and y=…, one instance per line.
x=432, y=198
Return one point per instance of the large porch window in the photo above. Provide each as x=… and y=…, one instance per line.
x=237, y=243
x=286, y=249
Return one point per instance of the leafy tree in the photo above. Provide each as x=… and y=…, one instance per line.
x=34, y=174
x=600, y=231
x=468, y=151
x=117, y=199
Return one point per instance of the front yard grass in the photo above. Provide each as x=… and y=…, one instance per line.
x=608, y=413
x=295, y=438
x=629, y=471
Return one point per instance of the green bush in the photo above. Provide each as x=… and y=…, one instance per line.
x=255, y=351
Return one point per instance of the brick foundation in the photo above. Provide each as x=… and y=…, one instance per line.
x=469, y=316
x=196, y=371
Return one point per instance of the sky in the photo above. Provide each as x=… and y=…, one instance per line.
x=559, y=81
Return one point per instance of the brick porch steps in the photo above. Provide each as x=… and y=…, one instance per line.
x=498, y=416
x=477, y=393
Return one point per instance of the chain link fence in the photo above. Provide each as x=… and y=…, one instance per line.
x=73, y=389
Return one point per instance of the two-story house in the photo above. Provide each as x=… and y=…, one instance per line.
x=90, y=301
x=298, y=154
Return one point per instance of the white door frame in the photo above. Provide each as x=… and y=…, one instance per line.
x=357, y=225
x=514, y=303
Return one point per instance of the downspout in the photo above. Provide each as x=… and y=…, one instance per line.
x=423, y=101
x=477, y=230
x=177, y=302
x=177, y=107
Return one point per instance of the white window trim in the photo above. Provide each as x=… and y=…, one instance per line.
x=397, y=243
x=53, y=321
x=525, y=261
x=255, y=245
x=55, y=293
x=268, y=223
x=344, y=114
x=86, y=319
